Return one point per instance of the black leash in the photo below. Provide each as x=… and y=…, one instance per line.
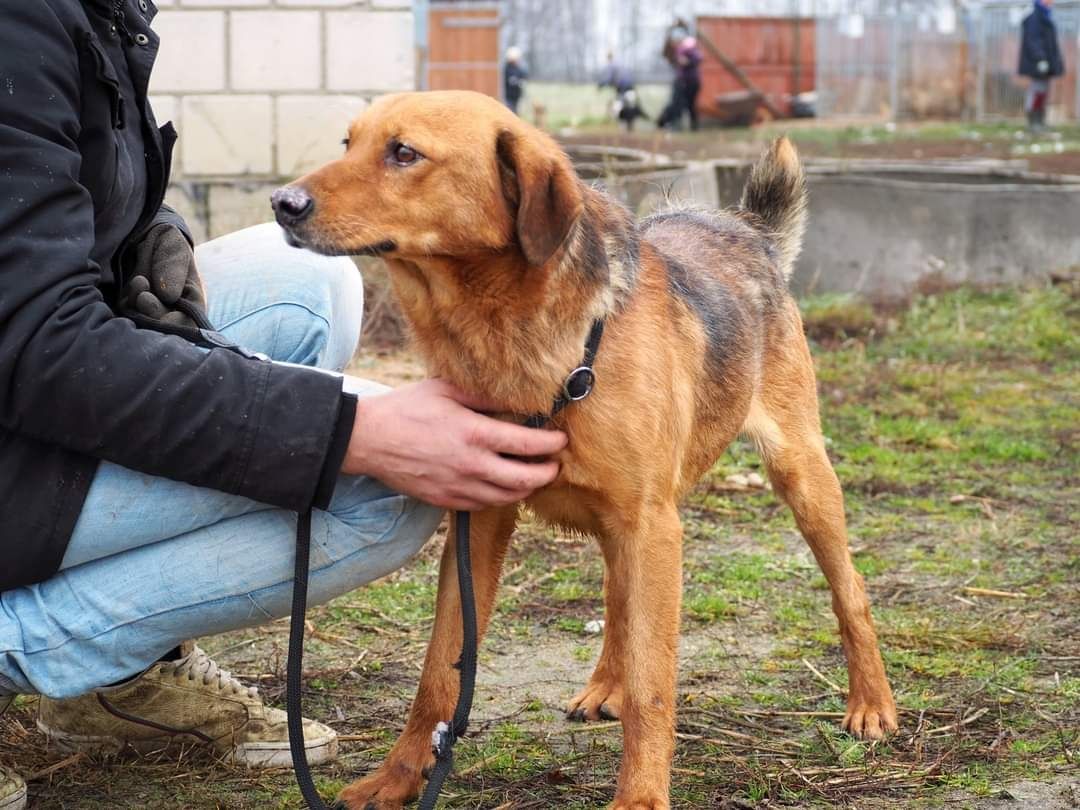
x=446, y=734
x=578, y=385
x=295, y=667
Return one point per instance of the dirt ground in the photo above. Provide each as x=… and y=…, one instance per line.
x=952, y=425
x=1055, y=152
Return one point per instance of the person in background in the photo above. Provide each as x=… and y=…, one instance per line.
x=626, y=107
x=514, y=76
x=683, y=54
x=1040, y=60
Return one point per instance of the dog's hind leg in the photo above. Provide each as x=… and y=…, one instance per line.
x=784, y=423
x=400, y=778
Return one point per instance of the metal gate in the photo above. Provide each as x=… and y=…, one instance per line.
x=909, y=63
x=1000, y=92
x=463, y=49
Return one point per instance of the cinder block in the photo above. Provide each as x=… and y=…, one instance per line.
x=233, y=207
x=310, y=130
x=227, y=134
x=275, y=50
x=370, y=50
x=192, y=55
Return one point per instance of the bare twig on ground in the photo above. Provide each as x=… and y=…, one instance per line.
x=831, y=684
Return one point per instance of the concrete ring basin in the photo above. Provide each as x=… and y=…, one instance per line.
x=883, y=228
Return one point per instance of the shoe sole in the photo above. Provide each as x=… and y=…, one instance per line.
x=253, y=754
x=272, y=755
x=16, y=801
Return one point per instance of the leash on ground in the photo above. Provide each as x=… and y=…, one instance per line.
x=578, y=385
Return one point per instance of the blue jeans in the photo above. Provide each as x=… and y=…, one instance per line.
x=153, y=562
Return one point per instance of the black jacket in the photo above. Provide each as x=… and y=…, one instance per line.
x=83, y=170
x=514, y=76
x=1039, y=43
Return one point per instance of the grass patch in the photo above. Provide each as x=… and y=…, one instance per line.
x=952, y=426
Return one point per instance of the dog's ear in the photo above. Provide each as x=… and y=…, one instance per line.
x=543, y=192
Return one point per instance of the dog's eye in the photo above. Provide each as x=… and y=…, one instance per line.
x=404, y=155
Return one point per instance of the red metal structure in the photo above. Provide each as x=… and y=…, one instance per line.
x=777, y=55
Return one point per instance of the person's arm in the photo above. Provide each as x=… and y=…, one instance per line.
x=73, y=374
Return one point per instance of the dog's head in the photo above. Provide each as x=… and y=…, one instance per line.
x=444, y=174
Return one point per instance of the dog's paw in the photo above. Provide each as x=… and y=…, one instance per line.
x=388, y=788
x=601, y=699
x=870, y=719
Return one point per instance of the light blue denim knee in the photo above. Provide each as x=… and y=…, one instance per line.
x=290, y=304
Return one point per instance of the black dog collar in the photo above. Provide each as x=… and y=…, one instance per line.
x=579, y=383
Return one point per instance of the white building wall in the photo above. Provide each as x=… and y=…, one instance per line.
x=264, y=89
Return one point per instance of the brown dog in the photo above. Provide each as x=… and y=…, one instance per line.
x=501, y=259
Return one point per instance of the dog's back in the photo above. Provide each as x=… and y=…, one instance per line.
x=731, y=267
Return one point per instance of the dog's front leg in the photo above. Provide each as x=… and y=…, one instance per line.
x=400, y=778
x=646, y=564
x=602, y=697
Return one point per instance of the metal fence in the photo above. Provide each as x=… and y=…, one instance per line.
x=901, y=59
x=999, y=92
x=933, y=61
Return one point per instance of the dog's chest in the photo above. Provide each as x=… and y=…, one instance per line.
x=566, y=507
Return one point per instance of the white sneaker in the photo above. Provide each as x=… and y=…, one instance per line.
x=189, y=701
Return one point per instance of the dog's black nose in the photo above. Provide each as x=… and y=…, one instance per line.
x=292, y=205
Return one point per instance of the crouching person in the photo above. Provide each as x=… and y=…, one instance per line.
x=149, y=482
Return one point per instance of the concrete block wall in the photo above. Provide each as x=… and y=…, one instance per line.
x=263, y=90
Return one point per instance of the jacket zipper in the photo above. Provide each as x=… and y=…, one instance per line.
x=120, y=22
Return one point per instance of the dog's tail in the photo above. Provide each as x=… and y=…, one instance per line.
x=776, y=194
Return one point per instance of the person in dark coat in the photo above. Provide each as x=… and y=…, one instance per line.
x=151, y=466
x=683, y=54
x=1040, y=60
x=514, y=76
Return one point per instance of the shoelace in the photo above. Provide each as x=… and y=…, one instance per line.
x=200, y=665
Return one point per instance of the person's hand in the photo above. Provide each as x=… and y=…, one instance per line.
x=427, y=440
x=164, y=273
x=1043, y=67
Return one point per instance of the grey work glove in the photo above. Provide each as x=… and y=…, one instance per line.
x=165, y=281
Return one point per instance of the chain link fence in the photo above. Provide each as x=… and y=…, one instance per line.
x=931, y=60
